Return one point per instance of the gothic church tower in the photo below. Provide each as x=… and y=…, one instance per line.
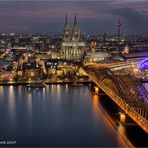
x=66, y=33
x=75, y=31
x=72, y=49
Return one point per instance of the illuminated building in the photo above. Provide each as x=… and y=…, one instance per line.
x=93, y=46
x=126, y=49
x=72, y=48
x=96, y=56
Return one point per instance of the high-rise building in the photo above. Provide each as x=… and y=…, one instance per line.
x=72, y=49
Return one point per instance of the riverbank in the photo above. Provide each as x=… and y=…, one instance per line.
x=46, y=82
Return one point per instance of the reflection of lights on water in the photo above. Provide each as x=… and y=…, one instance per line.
x=19, y=90
x=121, y=129
x=95, y=105
x=29, y=108
x=1, y=90
x=52, y=87
x=11, y=94
x=58, y=91
x=122, y=132
x=29, y=102
x=11, y=103
x=66, y=88
x=58, y=86
x=75, y=91
x=52, y=91
x=44, y=92
x=96, y=100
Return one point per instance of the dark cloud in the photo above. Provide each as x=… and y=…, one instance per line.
x=93, y=16
x=133, y=21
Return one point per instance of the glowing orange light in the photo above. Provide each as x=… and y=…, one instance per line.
x=122, y=117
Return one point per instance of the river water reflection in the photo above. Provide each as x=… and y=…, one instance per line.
x=58, y=115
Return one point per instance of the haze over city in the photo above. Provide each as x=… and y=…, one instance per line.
x=94, y=16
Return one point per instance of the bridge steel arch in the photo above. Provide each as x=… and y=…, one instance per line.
x=128, y=93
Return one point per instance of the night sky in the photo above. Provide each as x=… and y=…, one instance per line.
x=95, y=16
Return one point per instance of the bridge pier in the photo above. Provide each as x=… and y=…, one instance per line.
x=122, y=117
x=96, y=90
x=126, y=120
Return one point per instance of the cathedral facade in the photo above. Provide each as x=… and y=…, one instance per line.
x=72, y=49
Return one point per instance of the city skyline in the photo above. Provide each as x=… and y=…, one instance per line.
x=73, y=73
x=93, y=16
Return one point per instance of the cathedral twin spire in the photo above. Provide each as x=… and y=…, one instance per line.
x=75, y=36
x=66, y=24
x=75, y=21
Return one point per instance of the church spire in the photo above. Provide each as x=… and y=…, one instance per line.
x=76, y=31
x=66, y=27
x=66, y=33
x=75, y=21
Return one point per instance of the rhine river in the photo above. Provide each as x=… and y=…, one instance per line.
x=58, y=115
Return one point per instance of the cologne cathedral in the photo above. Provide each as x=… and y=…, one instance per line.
x=72, y=49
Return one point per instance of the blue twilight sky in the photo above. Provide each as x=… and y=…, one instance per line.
x=94, y=16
